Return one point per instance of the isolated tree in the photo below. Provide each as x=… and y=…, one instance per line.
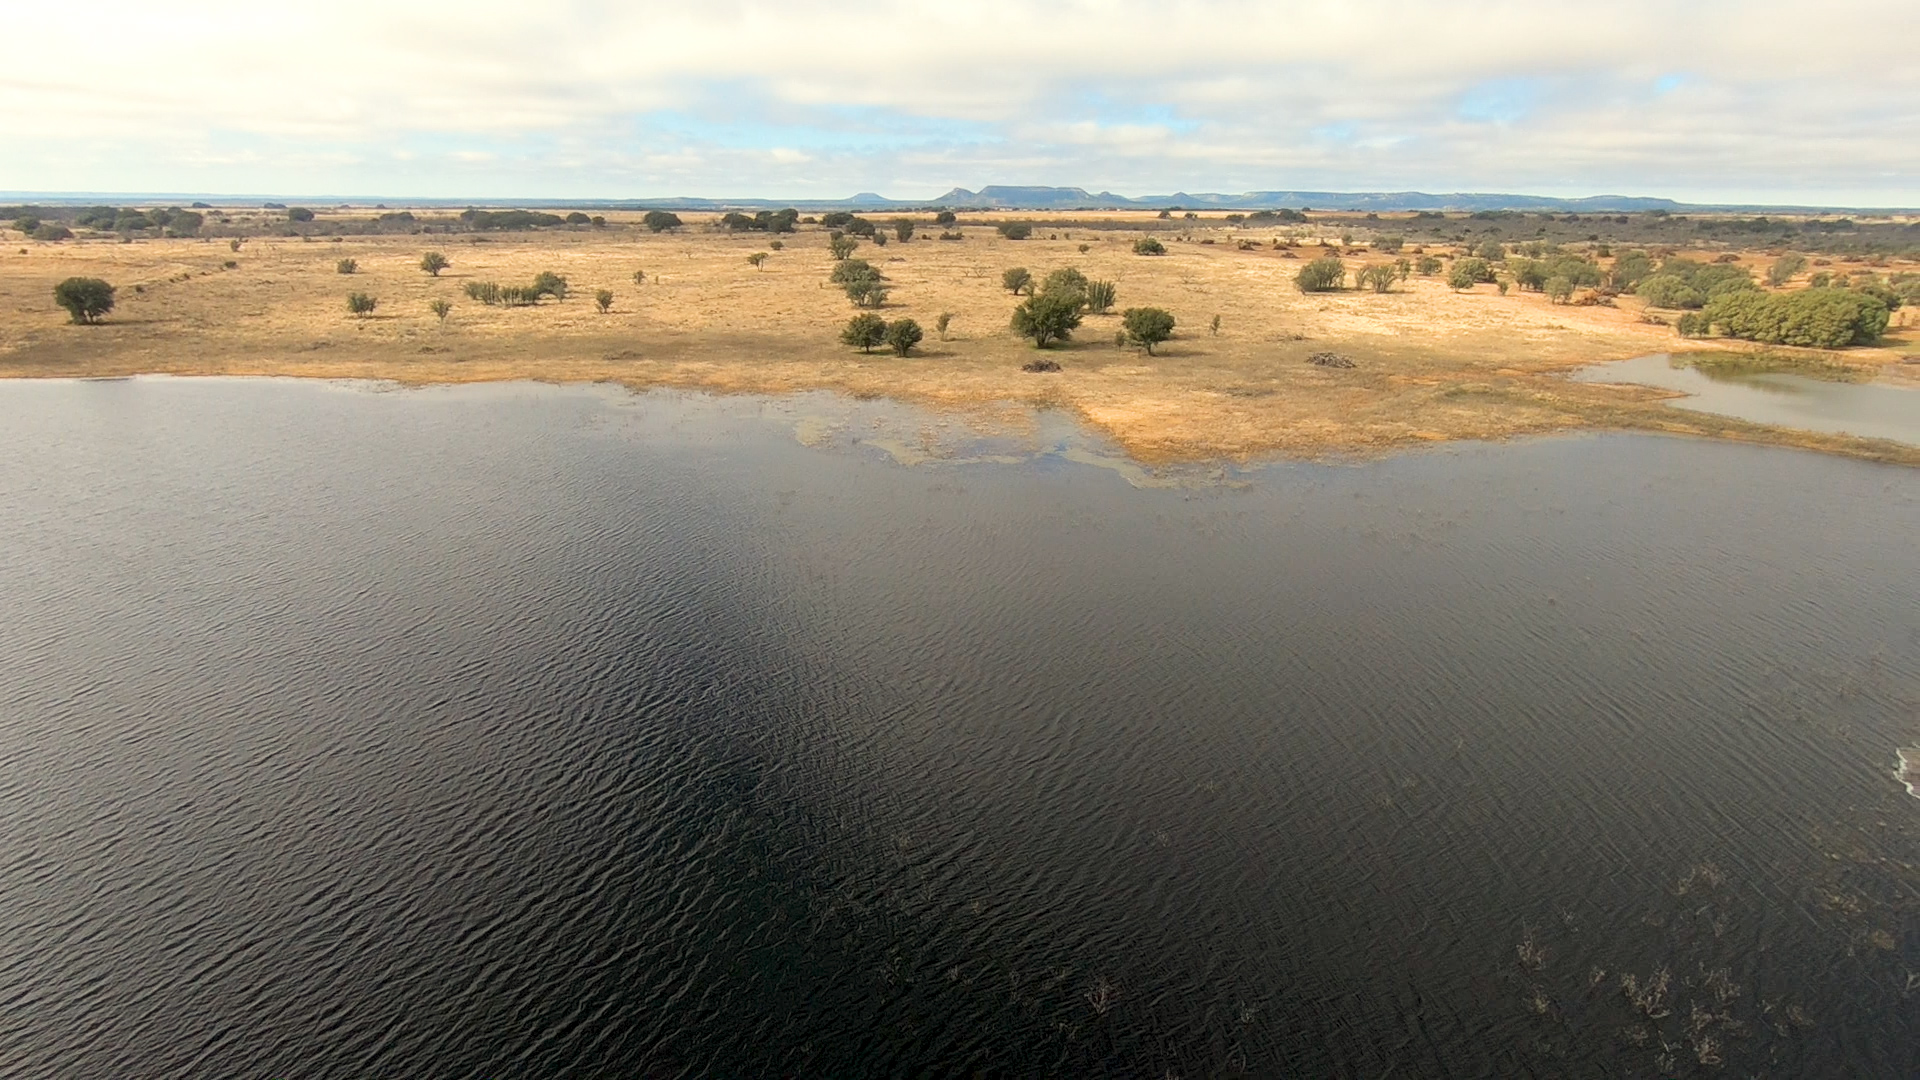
x=433, y=262
x=903, y=335
x=660, y=221
x=841, y=246
x=578, y=218
x=1017, y=280
x=299, y=213
x=867, y=293
x=86, y=299
x=604, y=300
x=941, y=323
x=1015, y=230
x=1147, y=326
x=777, y=245
x=1100, y=296
x=1213, y=326
x=548, y=283
x=1467, y=273
x=441, y=309
x=346, y=266
x=903, y=229
x=1047, y=317
x=639, y=277
x=1147, y=245
x=864, y=332
x=1324, y=274
x=754, y=260
x=944, y=217
x=361, y=304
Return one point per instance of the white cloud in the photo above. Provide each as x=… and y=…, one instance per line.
x=1715, y=99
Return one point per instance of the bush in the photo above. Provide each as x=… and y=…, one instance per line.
x=361, y=304
x=1067, y=282
x=1693, y=324
x=660, y=221
x=1100, y=296
x=864, y=332
x=1324, y=274
x=520, y=295
x=867, y=293
x=86, y=299
x=940, y=324
x=859, y=226
x=1784, y=268
x=441, y=309
x=1427, y=265
x=864, y=285
x=345, y=266
x=1379, y=278
x=548, y=283
x=944, y=217
x=1148, y=326
x=639, y=277
x=903, y=335
x=1559, y=290
x=299, y=213
x=903, y=229
x=603, y=299
x=433, y=262
x=953, y=234
x=184, y=222
x=1017, y=281
x=1389, y=244
x=1491, y=250
x=1047, y=317
x=486, y=292
x=1466, y=273
x=1147, y=245
x=1015, y=230
x=841, y=246
x=1818, y=318
x=836, y=219
x=52, y=233
x=754, y=260
x=578, y=218
x=26, y=224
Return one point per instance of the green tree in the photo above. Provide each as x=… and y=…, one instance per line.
x=1629, y=270
x=639, y=277
x=867, y=293
x=944, y=217
x=578, y=218
x=660, y=221
x=1047, y=317
x=548, y=283
x=1147, y=326
x=1015, y=230
x=1490, y=250
x=441, y=309
x=1665, y=290
x=841, y=246
x=1466, y=273
x=903, y=229
x=1066, y=282
x=1147, y=245
x=86, y=299
x=1017, y=280
x=940, y=324
x=1559, y=290
x=299, y=213
x=1816, y=318
x=26, y=223
x=1784, y=268
x=433, y=262
x=1324, y=274
x=361, y=304
x=346, y=266
x=1101, y=296
x=603, y=298
x=1427, y=266
x=903, y=335
x=864, y=332
x=754, y=260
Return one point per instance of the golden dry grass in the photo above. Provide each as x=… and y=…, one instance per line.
x=1431, y=364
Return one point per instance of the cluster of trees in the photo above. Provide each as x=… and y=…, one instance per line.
x=492, y=294
x=1556, y=275
x=864, y=285
x=770, y=221
x=1820, y=318
x=1053, y=309
x=172, y=220
x=867, y=331
x=1683, y=283
x=496, y=220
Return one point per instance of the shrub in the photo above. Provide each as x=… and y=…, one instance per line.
x=433, y=262
x=597, y=221
x=1067, y=282
x=1389, y=244
x=1100, y=296
x=954, y=234
x=754, y=260
x=1427, y=265
x=859, y=226
x=1047, y=317
x=867, y=293
x=1213, y=326
x=86, y=299
x=1819, y=318
x=841, y=246
x=1784, y=268
x=639, y=277
x=1147, y=326
x=879, y=239
x=231, y=264
x=52, y=233
x=1559, y=290
x=1379, y=278
x=1147, y=245
x=1041, y=364
x=1015, y=230
x=603, y=299
x=940, y=324
x=548, y=283
x=944, y=217
x=1324, y=274
x=1491, y=250
x=299, y=213
x=346, y=266
x=1630, y=270
x=578, y=218
x=1466, y=273
x=903, y=335
x=361, y=304
x=1693, y=324
x=520, y=295
x=777, y=245
x=234, y=244
x=864, y=331
x=660, y=221
x=903, y=229
x=441, y=309
x=486, y=292
x=26, y=224
x=1017, y=281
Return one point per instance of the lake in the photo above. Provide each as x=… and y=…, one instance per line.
x=523, y=731
x=1878, y=410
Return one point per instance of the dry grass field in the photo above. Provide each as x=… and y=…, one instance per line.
x=1430, y=364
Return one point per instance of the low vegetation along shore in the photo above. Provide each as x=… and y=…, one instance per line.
x=1180, y=336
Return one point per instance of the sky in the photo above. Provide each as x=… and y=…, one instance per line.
x=1759, y=101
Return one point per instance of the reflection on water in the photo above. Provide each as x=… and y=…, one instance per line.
x=1870, y=410
x=532, y=731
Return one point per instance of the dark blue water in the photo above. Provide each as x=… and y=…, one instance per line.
x=527, y=732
